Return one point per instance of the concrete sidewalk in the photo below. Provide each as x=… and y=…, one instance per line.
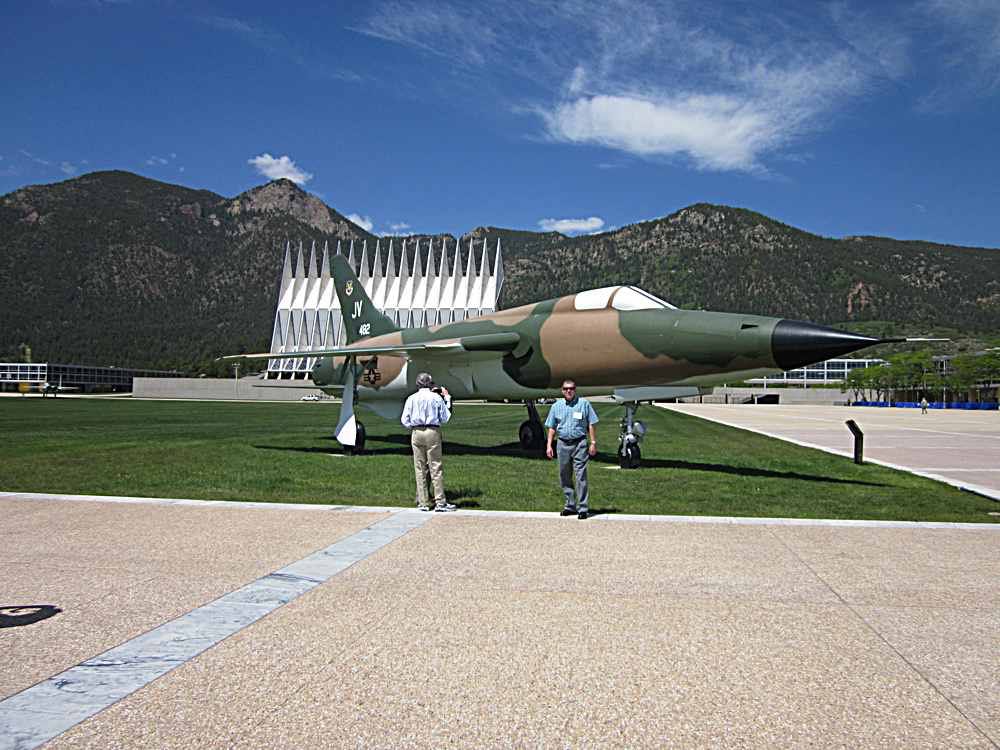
x=959, y=447
x=479, y=630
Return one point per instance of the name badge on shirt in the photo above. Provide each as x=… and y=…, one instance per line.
x=578, y=415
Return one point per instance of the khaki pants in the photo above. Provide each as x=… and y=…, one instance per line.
x=426, y=444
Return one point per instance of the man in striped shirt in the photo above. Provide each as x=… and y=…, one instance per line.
x=423, y=413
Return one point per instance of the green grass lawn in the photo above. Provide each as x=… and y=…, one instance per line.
x=284, y=452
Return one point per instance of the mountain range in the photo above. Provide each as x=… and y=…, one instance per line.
x=112, y=268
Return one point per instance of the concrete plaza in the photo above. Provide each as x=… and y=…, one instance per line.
x=952, y=445
x=491, y=629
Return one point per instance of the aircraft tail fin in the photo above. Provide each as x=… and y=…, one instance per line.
x=361, y=318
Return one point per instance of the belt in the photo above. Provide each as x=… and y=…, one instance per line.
x=572, y=441
x=425, y=427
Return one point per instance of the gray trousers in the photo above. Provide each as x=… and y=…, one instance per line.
x=573, y=458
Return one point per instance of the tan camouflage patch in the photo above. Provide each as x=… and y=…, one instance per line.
x=588, y=347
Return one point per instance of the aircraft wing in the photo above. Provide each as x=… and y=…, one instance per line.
x=486, y=342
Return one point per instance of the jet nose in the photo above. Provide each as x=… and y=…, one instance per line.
x=795, y=343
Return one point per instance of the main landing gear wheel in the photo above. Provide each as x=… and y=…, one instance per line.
x=530, y=435
x=359, y=442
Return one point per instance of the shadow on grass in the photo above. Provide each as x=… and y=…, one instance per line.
x=511, y=449
x=744, y=471
x=514, y=450
x=461, y=496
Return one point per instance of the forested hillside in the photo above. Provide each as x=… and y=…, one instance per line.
x=114, y=268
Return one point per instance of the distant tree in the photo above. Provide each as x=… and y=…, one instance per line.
x=963, y=375
x=856, y=382
x=911, y=372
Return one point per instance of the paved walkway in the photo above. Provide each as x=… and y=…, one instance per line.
x=954, y=446
x=345, y=627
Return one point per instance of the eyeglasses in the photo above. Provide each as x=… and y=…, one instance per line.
x=569, y=388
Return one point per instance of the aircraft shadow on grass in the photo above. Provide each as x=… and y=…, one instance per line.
x=514, y=450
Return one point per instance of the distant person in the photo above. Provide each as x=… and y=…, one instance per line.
x=923, y=405
x=423, y=414
x=572, y=419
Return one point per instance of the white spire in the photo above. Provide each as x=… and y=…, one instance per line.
x=461, y=285
x=310, y=316
x=419, y=284
x=433, y=279
x=447, y=287
x=281, y=314
x=326, y=293
x=363, y=275
x=392, y=282
x=378, y=279
x=475, y=301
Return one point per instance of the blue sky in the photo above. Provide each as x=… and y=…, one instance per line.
x=839, y=118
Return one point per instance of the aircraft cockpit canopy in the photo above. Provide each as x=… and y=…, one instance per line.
x=620, y=298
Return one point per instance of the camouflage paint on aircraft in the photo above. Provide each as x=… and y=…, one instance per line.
x=602, y=338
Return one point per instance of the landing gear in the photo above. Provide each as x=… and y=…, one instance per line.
x=530, y=434
x=359, y=442
x=632, y=430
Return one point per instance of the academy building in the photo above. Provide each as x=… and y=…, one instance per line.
x=426, y=287
x=81, y=378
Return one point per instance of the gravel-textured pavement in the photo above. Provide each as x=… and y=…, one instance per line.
x=476, y=630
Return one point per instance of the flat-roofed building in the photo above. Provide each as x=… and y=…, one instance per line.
x=84, y=378
x=830, y=371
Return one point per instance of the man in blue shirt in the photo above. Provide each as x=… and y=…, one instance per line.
x=572, y=419
x=423, y=413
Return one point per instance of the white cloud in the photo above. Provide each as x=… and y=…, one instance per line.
x=155, y=161
x=364, y=222
x=462, y=31
x=723, y=88
x=572, y=226
x=399, y=228
x=67, y=168
x=276, y=43
x=716, y=132
x=747, y=108
x=278, y=168
x=35, y=159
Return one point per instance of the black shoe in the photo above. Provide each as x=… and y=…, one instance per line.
x=583, y=515
x=567, y=511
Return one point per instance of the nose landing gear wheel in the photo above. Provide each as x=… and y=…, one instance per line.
x=630, y=457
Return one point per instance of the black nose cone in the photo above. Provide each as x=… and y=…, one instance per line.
x=795, y=343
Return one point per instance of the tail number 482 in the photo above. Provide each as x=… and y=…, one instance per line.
x=365, y=329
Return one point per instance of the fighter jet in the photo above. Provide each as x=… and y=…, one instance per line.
x=617, y=340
